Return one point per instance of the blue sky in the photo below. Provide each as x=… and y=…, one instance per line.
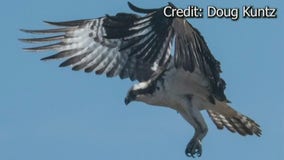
x=54, y=113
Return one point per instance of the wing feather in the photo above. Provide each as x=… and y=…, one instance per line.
x=193, y=53
x=46, y=31
x=131, y=46
x=127, y=45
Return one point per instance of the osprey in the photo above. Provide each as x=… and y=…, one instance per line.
x=139, y=48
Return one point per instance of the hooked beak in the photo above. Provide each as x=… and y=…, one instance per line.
x=131, y=96
x=127, y=100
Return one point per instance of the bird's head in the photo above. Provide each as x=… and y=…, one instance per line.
x=137, y=92
x=131, y=96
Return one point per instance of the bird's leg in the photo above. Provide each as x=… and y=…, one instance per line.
x=194, y=117
x=194, y=146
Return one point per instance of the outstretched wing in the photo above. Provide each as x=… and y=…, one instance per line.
x=132, y=46
x=123, y=45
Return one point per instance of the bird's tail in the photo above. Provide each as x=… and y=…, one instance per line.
x=234, y=122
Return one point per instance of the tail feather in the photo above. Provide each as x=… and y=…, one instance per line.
x=235, y=123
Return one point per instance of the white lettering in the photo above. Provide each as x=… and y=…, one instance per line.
x=251, y=12
x=190, y=12
x=167, y=10
x=232, y=13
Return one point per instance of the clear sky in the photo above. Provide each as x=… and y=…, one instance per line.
x=51, y=113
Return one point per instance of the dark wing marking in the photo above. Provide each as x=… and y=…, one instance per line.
x=125, y=44
x=82, y=43
x=192, y=53
x=191, y=50
x=131, y=46
x=122, y=45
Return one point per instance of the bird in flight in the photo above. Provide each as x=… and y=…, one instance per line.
x=139, y=48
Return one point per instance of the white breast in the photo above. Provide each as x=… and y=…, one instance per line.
x=176, y=85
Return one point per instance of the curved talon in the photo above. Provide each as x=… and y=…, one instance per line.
x=193, y=148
